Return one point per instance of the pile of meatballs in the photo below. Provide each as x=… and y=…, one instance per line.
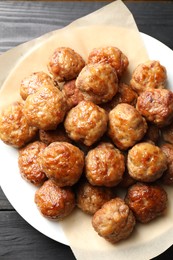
x=84, y=135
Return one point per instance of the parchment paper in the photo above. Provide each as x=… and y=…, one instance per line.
x=112, y=25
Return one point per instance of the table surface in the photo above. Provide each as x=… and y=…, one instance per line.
x=23, y=21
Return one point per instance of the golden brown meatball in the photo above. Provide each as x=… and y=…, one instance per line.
x=91, y=198
x=33, y=82
x=57, y=135
x=104, y=165
x=62, y=162
x=72, y=94
x=152, y=134
x=54, y=202
x=147, y=76
x=167, y=177
x=146, y=201
x=86, y=122
x=28, y=162
x=125, y=94
x=126, y=126
x=97, y=82
x=46, y=108
x=146, y=162
x=167, y=133
x=110, y=55
x=14, y=128
x=156, y=106
x=114, y=221
x=65, y=64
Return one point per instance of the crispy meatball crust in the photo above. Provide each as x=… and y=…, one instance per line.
x=90, y=198
x=97, y=82
x=126, y=126
x=156, y=106
x=146, y=162
x=167, y=177
x=111, y=55
x=28, y=162
x=65, y=64
x=57, y=135
x=14, y=128
x=33, y=82
x=72, y=94
x=147, y=76
x=146, y=201
x=46, y=108
x=62, y=162
x=104, y=165
x=86, y=123
x=114, y=221
x=54, y=202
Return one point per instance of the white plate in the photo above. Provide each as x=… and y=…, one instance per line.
x=21, y=194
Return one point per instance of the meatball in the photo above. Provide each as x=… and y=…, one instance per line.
x=57, y=135
x=146, y=162
x=126, y=126
x=97, y=82
x=146, y=201
x=114, y=221
x=91, y=198
x=167, y=177
x=33, y=82
x=28, y=162
x=125, y=94
x=147, y=76
x=46, y=108
x=167, y=133
x=127, y=180
x=156, y=106
x=62, y=162
x=14, y=128
x=72, y=94
x=86, y=122
x=65, y=64
x=54, y=202
x=152, y=134
x=111, y=55
x=104, y=165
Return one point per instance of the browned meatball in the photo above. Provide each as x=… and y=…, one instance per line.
x=127, y=180
x=33, y=82
x=146, y=201
x=147, y=76
x=146, y=162
x=28, y=162
x=110, y=55
x=156, y=106
x=46, y=108
x=104, y=165
x=114, y=221
x=72, y=94
x=54, y=202
x=57, y=135
x=126, y=126
x=86, y=122
x=14, y=128
x=167, y=133
x=65, y=64
x=91, y=198
x=167, y=177
x=97, y=82
x=62, y=162
x=152, y=134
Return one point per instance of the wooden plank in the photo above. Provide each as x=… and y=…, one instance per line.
x=18, y=240
x=4, y=203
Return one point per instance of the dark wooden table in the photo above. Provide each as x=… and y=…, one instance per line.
x=20, y=22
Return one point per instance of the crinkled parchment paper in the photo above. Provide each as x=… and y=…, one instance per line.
x=112, y=25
